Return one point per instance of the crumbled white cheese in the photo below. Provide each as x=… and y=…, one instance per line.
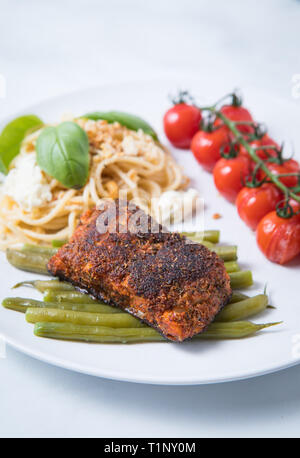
x=174, y=206
x=130, y=146
x=138, y=142
x=25, y=183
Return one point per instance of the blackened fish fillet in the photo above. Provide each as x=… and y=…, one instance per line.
x=175, y=286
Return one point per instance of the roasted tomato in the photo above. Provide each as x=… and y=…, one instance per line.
x=279, y=238
x=206, y=146
x=229, y=175
x=237, y=113
x=288, y=166
x=181, y=122
x=254, y=203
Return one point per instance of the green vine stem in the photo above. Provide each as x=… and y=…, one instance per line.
x=232, y=126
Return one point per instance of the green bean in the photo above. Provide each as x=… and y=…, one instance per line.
x=68, y=296
x=43, y=285
x=232, y=266
x=58, y=243
x=28, y=260
x=208, y=245
x=20, y=304
x=209, y=236
x=46, y=250
x=227, y=253
x=205, y=243
x=101, y=334
x=237, y=297
x=78, y=302
x=241, y=279
x=243, y=309
x=233, y=330
x=111, y=320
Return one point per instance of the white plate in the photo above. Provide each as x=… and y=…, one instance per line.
x=190, y=362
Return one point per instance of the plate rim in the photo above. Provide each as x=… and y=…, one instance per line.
x=111, y=375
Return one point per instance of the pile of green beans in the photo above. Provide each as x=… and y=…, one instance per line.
x=55, y=315
x=75, y=316
x=102, y=334
x=70, y=299
x=20, y=304
x=66, y=313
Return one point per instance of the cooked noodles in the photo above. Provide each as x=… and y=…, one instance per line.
x=122, y=163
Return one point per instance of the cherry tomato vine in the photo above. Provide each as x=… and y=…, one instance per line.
x=241, y=137
x=248, y=168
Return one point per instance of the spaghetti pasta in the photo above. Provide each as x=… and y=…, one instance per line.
x=122, y=163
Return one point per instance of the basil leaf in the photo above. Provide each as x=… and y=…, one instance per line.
x=125, y=119
x=12, y=136
x=63, y=153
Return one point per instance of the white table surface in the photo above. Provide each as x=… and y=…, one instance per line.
x=48, y=48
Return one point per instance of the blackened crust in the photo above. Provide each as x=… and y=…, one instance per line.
x=175, y=286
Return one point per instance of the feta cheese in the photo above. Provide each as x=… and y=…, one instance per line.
x=130, y=146
x=174, y=206
x=26, y=184
x=138, y=142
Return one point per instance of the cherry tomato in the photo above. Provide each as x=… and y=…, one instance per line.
x=181, y=122
x=294, y=204
x=262, y=153
x=279, y=238
x=289, y=166
x=229, y=175
x=206, y=146
x=266, y=141
x=254, y=203
x=236, y=113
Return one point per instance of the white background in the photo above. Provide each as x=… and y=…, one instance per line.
x=48, y=48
